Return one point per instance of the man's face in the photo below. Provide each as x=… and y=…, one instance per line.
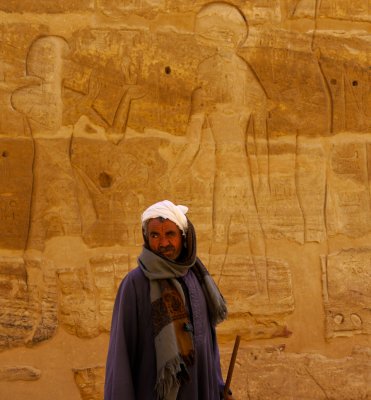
x=165, y=238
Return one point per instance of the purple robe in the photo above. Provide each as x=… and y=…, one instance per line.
x=131, y=360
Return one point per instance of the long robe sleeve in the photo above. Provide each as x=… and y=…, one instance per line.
x=119, y=379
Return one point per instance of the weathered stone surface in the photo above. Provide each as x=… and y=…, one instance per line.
x=19, y=373
x=15, y=39
x=112, y=181
x=54, y=208
x=346, y=287
x=16, y=316
x=269, y=373
x=90, y=382
x=16, y=181
x=356, y=11
x=108, y=272
x=28, y=302
x=311, y=172
x=87, y=295
x=45, y=6
x=348, y=205
x=121, y=78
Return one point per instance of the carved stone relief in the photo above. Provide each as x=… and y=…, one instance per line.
x=112, y=184
x=15, y=39
x=87, y=294
x=346, y=278
x=19, y=373
x=265, y=373
x=90, y=382
x=348, y=205
x=54, y=209
x=28, y=294
x=311, y=179
x=45, y=6
x=265, y=314
x=358, y=10
x=16, y=158
x=254, y=114
x=108, y=272
x=239, y=102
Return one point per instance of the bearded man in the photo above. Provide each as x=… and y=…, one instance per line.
x=163, y=344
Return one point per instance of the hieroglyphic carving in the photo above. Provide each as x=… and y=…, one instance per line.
x=41, y=102
x=104, y=77
x=356, y=11
x=149, y=8
x=108, y=272
x=265, y=317
x=343, y=59
x=169, y=75
x=16, y=157
x=42, y=288
x=16, y=322
x=280, y=210
x=338, y=9
x=28, y=294
x=90, y=382
x=311, y=187
x=45, y=6
x=270, y=373
x=288, y=70
x=350, y=95
x=113, y=182
x=14, y=43
x=346, y=292
x=348, y=205
x=54, y=209
x=228, y=94
x=78, y=308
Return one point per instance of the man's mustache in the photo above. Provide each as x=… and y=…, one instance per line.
x=166, y=249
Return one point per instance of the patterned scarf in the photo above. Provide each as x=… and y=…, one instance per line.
x=170, y=319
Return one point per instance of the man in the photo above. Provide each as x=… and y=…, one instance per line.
x=163, y=343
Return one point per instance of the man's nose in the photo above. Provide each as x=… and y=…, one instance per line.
x=164, y=241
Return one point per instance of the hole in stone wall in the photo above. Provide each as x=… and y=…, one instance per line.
x=5, y=154
x=167, y=70
x=105, y=180
x=355, y=83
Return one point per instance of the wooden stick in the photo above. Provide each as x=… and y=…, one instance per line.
x=231, y=366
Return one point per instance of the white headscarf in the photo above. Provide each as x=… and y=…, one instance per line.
x=168, y=210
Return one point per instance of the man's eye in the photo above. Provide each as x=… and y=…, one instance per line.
x=153, y=235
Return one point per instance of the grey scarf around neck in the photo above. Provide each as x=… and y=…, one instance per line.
x=157, y=267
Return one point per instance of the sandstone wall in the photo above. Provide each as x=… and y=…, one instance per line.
x=256, y=114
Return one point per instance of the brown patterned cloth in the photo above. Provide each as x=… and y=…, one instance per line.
x=170, y=319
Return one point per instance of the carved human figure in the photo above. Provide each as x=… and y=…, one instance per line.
x=54, y=209
x=231, y=103
x=95, y=103
x=112, y=194
x=41, y=101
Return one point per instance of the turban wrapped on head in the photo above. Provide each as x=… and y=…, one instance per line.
x=168, y=210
